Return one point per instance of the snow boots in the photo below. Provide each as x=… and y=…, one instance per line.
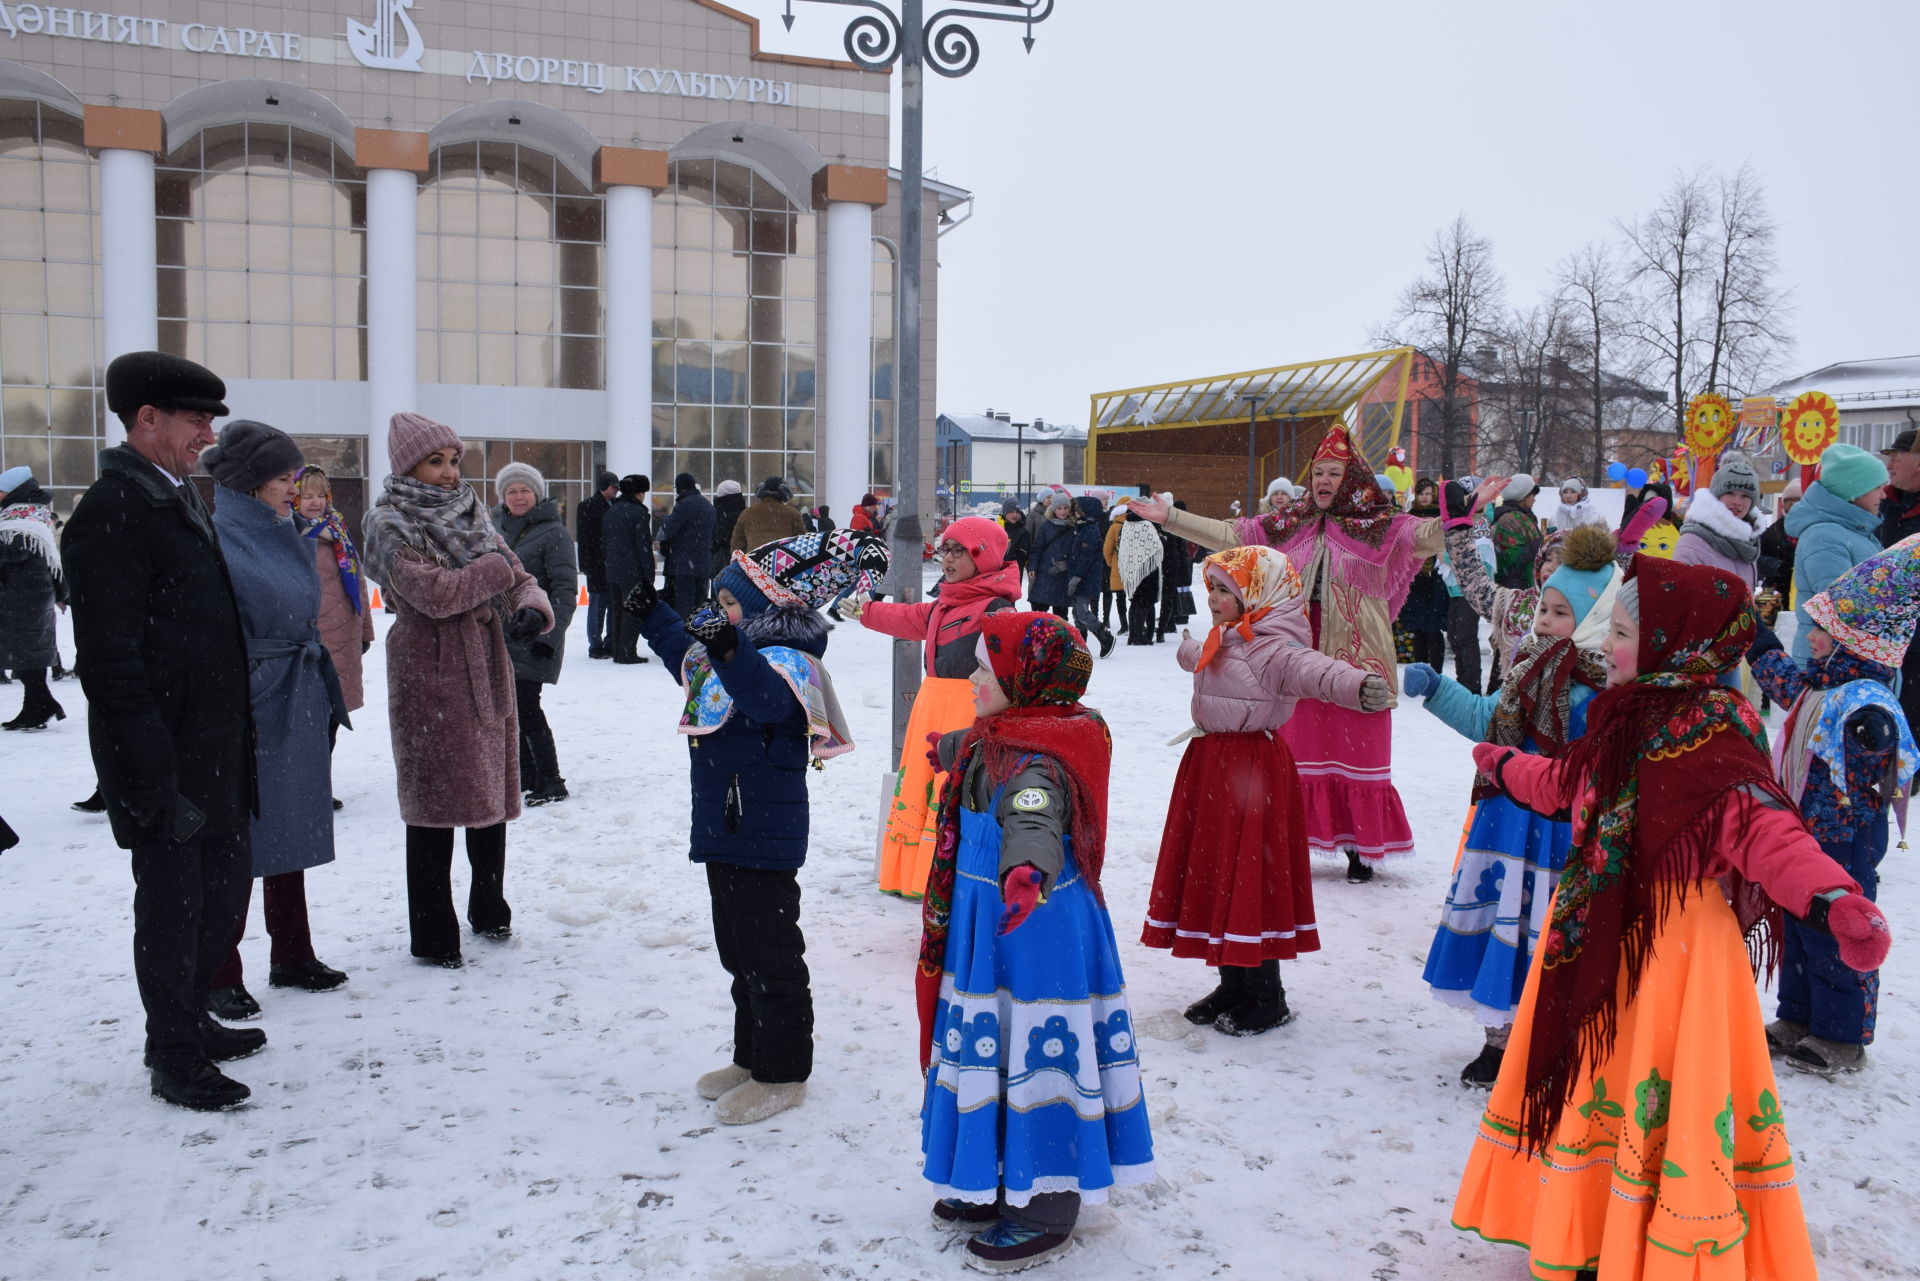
x=752, y=1101
x=717, y=1082
x=1261, y=1005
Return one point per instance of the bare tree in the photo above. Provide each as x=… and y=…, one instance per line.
x=1744, y=312
x=1668, y=252
x=1592, y=283
x=1529, y=392
x=1447, y=314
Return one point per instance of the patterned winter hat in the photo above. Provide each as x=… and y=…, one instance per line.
x=812, y=570
x=1870, y=611
x=1336, y=445
x=1039, y=660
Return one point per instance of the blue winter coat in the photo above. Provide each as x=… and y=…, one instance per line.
x=1834, y=536
x=1088, y=559
x=749, y=776
x=294, y=689
x=1052, y=551
x=626, y=542
x=686, y=536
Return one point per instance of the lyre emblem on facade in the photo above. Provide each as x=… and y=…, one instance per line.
x=374, y=45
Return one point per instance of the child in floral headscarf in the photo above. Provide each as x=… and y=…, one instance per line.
x=1233, y=885
x=1844, y=755
x=1033, y=1099
x=1635, y=1130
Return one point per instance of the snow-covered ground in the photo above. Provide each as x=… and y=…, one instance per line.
x=533, y=1115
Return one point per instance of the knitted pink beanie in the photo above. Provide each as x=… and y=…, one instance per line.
x=411, y=437
x=985, y=541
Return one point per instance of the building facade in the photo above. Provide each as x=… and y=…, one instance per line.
x=584, y=233
x=990, y=458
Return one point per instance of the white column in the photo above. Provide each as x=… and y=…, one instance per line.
x=843, y=471
x=129, y=304
x=628, y=299
x=393, y=373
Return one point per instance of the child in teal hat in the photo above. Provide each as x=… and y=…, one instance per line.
x=1512, y=858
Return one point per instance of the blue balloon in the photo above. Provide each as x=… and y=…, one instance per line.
x=1637, y=477
x=1616, y=471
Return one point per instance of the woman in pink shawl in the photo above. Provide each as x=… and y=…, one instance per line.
x=1357, y=554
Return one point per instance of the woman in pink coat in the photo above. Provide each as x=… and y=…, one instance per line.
x=976, y=579
x=346, y=621
x=1233, y=886
x=458, y=594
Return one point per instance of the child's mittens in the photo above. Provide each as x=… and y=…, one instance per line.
x=1489, y=757
x=1020, y=892
x=1764, y=642
x=1645, y=517
x=1860, y=928
x=1375, y=694
x=933, y=751
x=1420, y=680
x=1458, y=510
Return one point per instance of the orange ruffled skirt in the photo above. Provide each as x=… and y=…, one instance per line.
x=1671, y=1161
x=944, y=703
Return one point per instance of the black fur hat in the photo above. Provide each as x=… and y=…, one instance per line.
x=165, y=382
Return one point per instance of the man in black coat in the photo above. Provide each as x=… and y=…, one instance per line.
x=587, y=532
x=728, y=504
x=626, y=549
x=163, y=661
x=686, y=544
x=1900, y=518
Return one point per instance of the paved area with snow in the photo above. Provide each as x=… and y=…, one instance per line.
x=533, y=1115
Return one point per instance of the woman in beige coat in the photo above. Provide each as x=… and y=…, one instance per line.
x=346, y=619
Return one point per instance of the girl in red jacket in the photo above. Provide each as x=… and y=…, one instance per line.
x=975, y=580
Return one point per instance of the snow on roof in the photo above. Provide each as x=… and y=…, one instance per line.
x=1893, y=381
x=981, y=427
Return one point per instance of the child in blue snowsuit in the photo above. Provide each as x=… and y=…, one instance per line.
x=1845, y=754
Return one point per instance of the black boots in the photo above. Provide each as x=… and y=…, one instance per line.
x=308, y=976
x=202, y=1087
x=1250, y=1000
x=548, y=791
x=39, y=706
x=1359, y=872
x=234, y=1004
x=1485, y=1070
x=224, y=1044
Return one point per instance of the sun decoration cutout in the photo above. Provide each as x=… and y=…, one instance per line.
x=1709, y=423
x=1809, y=425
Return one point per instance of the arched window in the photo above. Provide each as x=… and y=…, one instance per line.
x=50, y=399
x=509, y=270
x=734, y=285
x=262, y=249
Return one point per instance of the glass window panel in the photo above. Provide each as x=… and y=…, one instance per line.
x=496, y=261
x=225, y=249
x=20, y=232
x=663, y=371
x=267, y=248
x=536, y=170
x=459, y=307
x=580, y=363
x=72, y=412
x=801, y=278
x=28, y=451
x=19, y=178
x=763, y=319
x=69, y=237
x=693, y=227
x=495, y=354
x=72, y=460
x=173, y=195
x=577, y=219
x=580, y=311
x=457, y=356
x=459, y=212
x=730, y=373
x=269, y=199
x=730, y=319
x=730, y=274
x=312, y=300
x=799, y=318
x=426, y=354
x=221, y=197
x=533, y=360
x=349, y=301
x=803, y=235
x=800, y=473
x=269, y=351
x=533, y=262
x=497, y=211
x=534, y=311
x=24, y=409
x=800, y=429
x=310, y=249
x=456, y=257
x=63, y=186
x=312, y=351
x=769, y=429
x=692, y=378
x=693, y=428
x=226, y=295
x=426, y=306
x=23, y=284
x=426, y=210
x=767, y=381
x=693, y=316
x=764, y=464
x=800, y=376
x=731, y=464
x=311, y=156
x=226, y=348
x=70, y=350
x=730, y=428
x=580, y=266
x=350, y=252
x=495, y=309
x=350, y=353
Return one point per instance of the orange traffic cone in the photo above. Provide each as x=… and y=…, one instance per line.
x=376, y=599
x=583, y=598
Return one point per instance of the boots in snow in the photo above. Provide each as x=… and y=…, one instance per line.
x=92, y=805
x=234, y=1004
x=753, y=1101
x=224, y=1044
x=1009, y=1247
x=717, y=1082
x=1262, y=1005
x=310, y=975
x=1217, y=1002
x=1827, y=1058
x=968, y=1216
x=1485, y=1070
x=1784, y=1034
x=202, y=1087
x=1105, y=635
x=549, y=791
x=1359, y=872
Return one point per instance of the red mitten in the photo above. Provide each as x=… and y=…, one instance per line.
x=1488, y=755
x=933, y=751
x=1645, y=517
x=1020, y=891
x=1860, y=927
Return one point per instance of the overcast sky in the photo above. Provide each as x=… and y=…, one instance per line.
x=1192, y=187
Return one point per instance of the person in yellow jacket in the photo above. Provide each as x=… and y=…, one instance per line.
x=1116, y=588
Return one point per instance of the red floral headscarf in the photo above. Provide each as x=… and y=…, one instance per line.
x=1359, y=507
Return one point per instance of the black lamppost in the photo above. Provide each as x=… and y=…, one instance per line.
x=876, y=40
x=1029, y=486
x=1019, y=445
x=1253, y=399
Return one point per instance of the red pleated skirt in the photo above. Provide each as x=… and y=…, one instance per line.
x=1233, y=885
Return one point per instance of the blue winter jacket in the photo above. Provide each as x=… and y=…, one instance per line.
x=1836, y=810
x=1471, y=715
x=1087, y=561
x=750, y=775
x=1834, y=536
x=1047, y=566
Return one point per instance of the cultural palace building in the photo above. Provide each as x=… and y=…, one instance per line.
x=585, y=233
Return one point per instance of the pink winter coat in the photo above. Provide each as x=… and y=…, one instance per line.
x=456, y=736
x=1252, y=686
x=343, y=629
x=948, y=627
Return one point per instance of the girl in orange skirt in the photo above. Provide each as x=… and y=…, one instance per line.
x=975, y=580
x=1635, y=1130
x=1233, y=886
